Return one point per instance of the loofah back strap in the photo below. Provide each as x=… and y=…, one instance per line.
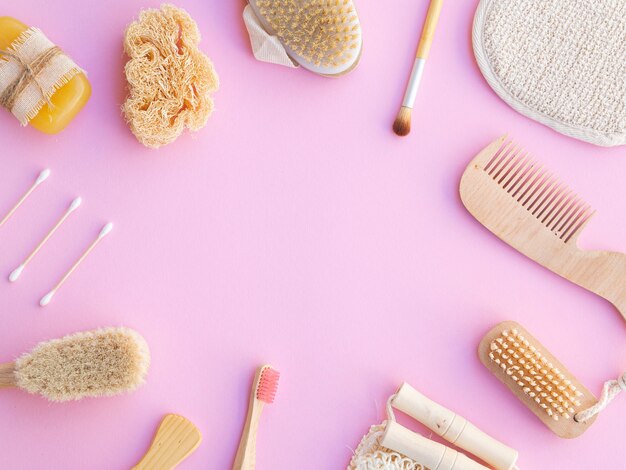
x=370, y=455
x=33, y=71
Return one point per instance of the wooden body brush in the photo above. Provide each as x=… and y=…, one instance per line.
x=323, y=36
x=533, y=212
x=263, y=391
x=95, y=363
x=538, y=379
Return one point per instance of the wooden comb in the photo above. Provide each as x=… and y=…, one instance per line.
x=527, y=207
x=537, y=378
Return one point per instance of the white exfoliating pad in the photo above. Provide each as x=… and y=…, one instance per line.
x=559, y=62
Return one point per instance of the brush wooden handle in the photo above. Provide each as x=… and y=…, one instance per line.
x=7, y=375
x=428, y=32
x=430, y=454
x=454, y=428
x=175, y=439
x=246, y=453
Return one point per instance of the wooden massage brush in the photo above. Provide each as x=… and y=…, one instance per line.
x=515, y=198
x=96, y=363
x=541, y=382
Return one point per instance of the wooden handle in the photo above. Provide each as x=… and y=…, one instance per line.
x=454, y=428
x=7, y=375
x=430, y=454
x=246, y=453
x=175, y=439
x=601, y=272
x=428, y=32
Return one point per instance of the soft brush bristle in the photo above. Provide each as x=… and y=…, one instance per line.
x=402, y=124
x=325, y=33
x=537, y=377
x=268, y=384
x=90, y=364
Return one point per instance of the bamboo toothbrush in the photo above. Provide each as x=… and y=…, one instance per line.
x=95, y=363
x=263, y=392
x=532, y=211
x=43, y=176
x=175, y=439
x=402, y=124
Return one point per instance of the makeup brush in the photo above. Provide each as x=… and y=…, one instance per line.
x=43, y=176
x=94, y=363
x=18, y=271
x=402, y=124
x=45, y=300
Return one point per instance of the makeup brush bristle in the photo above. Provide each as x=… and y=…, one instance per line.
x=89, y=364
x=402, y=124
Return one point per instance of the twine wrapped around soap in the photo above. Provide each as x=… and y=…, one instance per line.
x=34, y=70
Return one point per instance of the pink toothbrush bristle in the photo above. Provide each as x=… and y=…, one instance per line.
x=268, y=384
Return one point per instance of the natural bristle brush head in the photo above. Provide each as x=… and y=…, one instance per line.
x=267, y=384
x=537, y=378
x=95, y=363
x=402, y=124
x=323, y=36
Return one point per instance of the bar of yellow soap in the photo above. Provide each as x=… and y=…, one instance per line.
x=67, y=101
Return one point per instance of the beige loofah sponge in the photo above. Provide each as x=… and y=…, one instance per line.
x=95, y=363
x=170, y=80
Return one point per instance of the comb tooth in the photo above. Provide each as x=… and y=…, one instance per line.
x=557, y=208
x=571, y=223
x=517, y=172
x=503, y=150
x=505, y=163
x=524, y=179
x=588, y=213
x=541, y=191
x=574, y=207
x=549, y=199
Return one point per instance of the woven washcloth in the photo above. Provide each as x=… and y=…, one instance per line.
x=560, y=62
x=370, y=455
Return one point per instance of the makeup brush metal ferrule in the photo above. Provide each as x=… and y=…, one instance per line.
x=402, y=124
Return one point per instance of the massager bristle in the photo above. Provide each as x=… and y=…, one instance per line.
x=268, y=384
x=538, y=378
x=95, y=363
x=323, y=33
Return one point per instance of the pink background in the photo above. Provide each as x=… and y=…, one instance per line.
x=294, y=229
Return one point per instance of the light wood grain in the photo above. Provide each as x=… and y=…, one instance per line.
x=246, y=453
x=566, y=428
x=428, y=32
x=497, y=201
x=7, y=375
x=175, y=439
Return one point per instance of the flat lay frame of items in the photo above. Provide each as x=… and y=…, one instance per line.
x=255, y=234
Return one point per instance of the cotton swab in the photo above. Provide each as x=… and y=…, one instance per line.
x=43, y=176
x=45, y=300
x=18, y=271
x=402, y=124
